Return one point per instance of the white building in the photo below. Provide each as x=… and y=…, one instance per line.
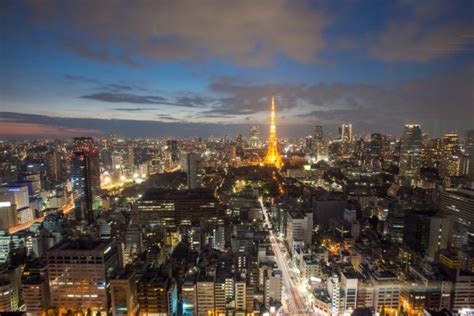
x=273, y=287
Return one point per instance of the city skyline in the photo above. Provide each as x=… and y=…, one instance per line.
x=210, y=69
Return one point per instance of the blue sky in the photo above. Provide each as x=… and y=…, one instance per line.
x=376, y=64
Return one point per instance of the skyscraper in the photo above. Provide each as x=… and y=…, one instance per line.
x=85, y=178
x=345, y=133
x=318, y=134
x=273, y=157
x=451, y=156
x=53, y=166
x=410, y=151
x=469, y=145
x=345, y=136
x=189, y=164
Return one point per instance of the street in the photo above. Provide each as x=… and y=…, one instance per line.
x=291, y=294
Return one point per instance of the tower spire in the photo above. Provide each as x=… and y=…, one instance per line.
x=273, y=157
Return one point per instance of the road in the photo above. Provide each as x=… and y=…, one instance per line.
x=296, y=301
x=66, y=209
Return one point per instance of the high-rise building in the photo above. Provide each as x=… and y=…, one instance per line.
x=157, y=294
x=85, y=179
x=345, y=133
x=54, y=166
x=35, y=293
x=318, y=142
x=376, y=146
x=17, y=195
x=124, y=155
x=349, y=284
x=410, y=151
x=205, y=295
x=272, y=287
x=189, y=164
x=460, y=205
x=79, y=273
x=469, y=145
x=8, y=215
x=5, y=296
x=123, y=290
x=254, y=140
x=345, y=138
x=172, y=145
x=318, y=134
x=181, y=207
x=425, y=234
x=273, y=157
x=188, y=296
x=451, y=156
x=240, y=295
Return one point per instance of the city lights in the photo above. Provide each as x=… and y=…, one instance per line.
x=237, y=158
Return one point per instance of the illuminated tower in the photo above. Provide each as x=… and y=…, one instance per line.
x=273, y=157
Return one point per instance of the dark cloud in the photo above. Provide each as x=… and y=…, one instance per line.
x=115, y=87
x=127, y=128
x=247, y=32
x=132, y=109
x=429, y=101
x=438, y=102
x=194, y=101
x=167, y=117
x=424, y=33
x=125, y=98
x=244, y=98
x=80, y=79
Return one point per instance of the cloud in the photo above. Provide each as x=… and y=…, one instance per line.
x=115, y=87
x=115, y=95
x=132, y=109
x=429, y=101
x=80, y=79
x=125, y=98
x=167, y=117
x=238, y=97
x=20, y=125
x=246, y=32
x=423, y=34
x=440, y=102
x=24, y=130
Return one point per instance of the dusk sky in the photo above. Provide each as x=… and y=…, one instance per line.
x=199, y=68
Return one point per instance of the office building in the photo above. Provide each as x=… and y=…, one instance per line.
x=349, y=285
x=469, y=149
x=273, y=284
x=123, y=294
x=459, y=204
x=35, y=291
x=189, y=296
x=410, y=151
x=8, y=215
x=345, y=133
x=426, y=234
x=178, y=207
x=79, y=273
x=205, y=295
x=17, y=195
x=189, y=164
x=85, y=179
x=5, y=296
x=54, y=168
x=157, y=294
x=451, y=156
